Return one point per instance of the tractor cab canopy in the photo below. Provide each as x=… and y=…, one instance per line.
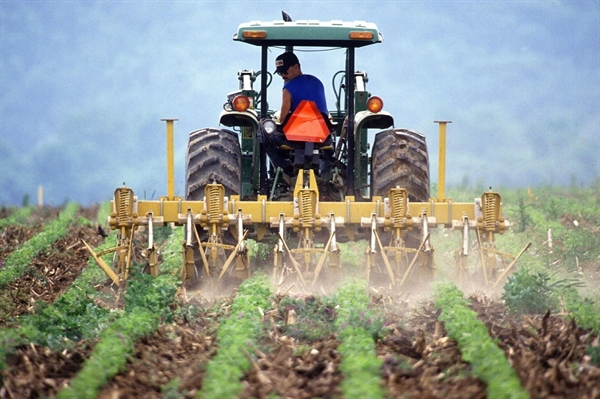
x=309, y=33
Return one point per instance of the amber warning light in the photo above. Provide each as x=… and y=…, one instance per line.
x=375, y=104
x=361, y=35
x=254, y=34
x=241, y=103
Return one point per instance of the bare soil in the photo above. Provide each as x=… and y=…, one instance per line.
x=419, y=360
x=51, y=272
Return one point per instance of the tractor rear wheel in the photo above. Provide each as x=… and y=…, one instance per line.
x=213, y=155
x=400, y=158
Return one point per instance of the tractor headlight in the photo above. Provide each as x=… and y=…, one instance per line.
x=269, y=126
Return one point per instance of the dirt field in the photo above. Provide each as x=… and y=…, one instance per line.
x=419, y=360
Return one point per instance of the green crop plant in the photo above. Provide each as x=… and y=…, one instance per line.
x=529, y=292
x=353, y=309
x=110, y=354
x=73, y=316
x=585, y=312
x=259, y=252
x=358, y=327
x=577, y=245
x=235, y=337
x=68, y=319
x=476, y=346
x=17, y=263
x=147, y=304
x=587, y=317
x=314, y=317
x=594, y=352
x=19, y=217
x=103, y=213
x=352, y=254
x=350, y=297
x=171, y=252
x=360, y=364
x=155, y=294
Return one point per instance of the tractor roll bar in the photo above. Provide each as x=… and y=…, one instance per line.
x=350, y=115
x=264, y=107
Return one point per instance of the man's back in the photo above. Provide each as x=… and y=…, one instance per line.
x=307, y=87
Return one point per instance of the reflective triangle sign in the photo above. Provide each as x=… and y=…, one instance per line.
x=306, y=124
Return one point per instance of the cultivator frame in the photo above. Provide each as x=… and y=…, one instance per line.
x=392, y=215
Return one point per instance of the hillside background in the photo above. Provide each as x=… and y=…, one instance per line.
x=83, y=86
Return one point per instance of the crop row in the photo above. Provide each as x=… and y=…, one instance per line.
x=147, y=304
x=19, y=217
x=19, y=260
x=358, y=330
x=477, y=347
x=235, y=337
x=74, y=315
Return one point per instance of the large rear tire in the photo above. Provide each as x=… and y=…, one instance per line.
x=213, y=155
x=400, y=158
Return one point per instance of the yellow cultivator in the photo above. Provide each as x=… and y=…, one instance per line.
x=388, y=224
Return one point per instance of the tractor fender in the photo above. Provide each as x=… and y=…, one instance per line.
x=370, y=120
x=243, y=119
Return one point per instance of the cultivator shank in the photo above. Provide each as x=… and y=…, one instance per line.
x=395, y=223
x=125, y=220
x=305, y=221
x=486, y=222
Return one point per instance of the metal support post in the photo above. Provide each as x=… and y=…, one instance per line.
x=442, y=161
x=170, y=160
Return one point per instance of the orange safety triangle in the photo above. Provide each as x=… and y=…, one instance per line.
x=306, y=124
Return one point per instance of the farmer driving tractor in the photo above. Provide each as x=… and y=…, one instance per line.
x=298, y=88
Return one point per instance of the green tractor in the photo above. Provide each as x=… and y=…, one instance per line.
x=236, y=156
x=340, y=165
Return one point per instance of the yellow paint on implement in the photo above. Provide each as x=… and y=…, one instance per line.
x=113, y=276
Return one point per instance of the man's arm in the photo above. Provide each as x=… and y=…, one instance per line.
x=286, y=105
